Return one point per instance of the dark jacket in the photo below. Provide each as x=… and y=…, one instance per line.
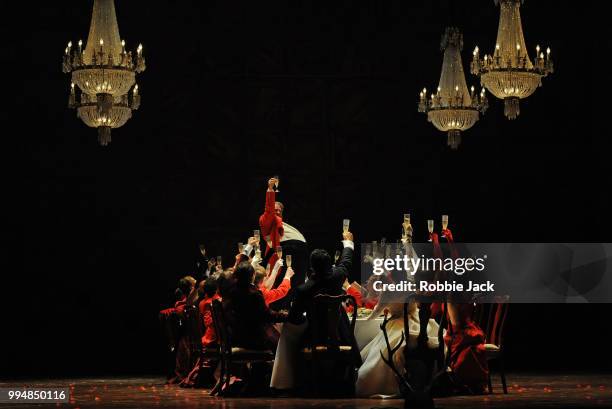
x=326, y=283
x=249, y=319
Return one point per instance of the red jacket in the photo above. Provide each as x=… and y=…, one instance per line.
x=277, y=293
x=271, y=224
x=210, y=336
x=356, y=295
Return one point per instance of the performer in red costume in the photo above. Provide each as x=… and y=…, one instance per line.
x=209, y=290
x=273, y=294
x=465, y=340
x=277, y=232
x=271, y=222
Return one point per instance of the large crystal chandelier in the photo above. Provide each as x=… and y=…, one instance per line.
x=453, y=108
x=104, y=73
x=509, y=74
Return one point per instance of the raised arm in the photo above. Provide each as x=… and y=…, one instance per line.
x=274, y=294
x=271, y=279
x=268, y=218
x=344, y=264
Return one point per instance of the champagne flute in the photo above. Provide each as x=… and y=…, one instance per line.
x=430, y=227
x=288, y=260
x=256, y=236
x=345, y=225
x=336, y=256
x=240, y=248
x=444, y=224
x=405, y=225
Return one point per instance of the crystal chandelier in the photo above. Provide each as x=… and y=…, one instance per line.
x=509, y=74
x=104, y=73
x=453, y=108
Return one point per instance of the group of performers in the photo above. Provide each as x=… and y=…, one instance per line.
x=259, y=291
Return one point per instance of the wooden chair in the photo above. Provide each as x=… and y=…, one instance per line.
x=325, y=342
x=494, y=332
x=232, y=355
x=170, y=323
x=193, y=330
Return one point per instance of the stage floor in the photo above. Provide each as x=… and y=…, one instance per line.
x=525, y=391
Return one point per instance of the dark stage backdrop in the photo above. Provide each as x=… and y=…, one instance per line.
x=322, y=93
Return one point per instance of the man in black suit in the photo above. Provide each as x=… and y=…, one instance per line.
x=323, y=278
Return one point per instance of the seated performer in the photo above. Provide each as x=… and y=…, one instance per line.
x=277, y=232
x=323, y=279
x=352, y=290
x=465, y=341
x=375, y=377
x=273, y=294
x=248, y=318
x=186, y=293
x=208, y=295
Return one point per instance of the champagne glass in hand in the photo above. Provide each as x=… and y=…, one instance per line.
x=345, y=225
x=288, y=260
x=256, y=236
x=219, y=263
x=430, y=228
x=277, y=181
x=444, y=224
x=240, y=248
x=405, y=225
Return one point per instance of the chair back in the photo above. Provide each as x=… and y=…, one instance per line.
x=496, y=320
x=171, y=326
x=221, y=329
x=193, y=328
x=324, y=319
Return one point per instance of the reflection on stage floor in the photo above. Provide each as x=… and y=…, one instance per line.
x=533, y=391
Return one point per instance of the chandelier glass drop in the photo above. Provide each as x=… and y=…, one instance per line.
x=103, y=74
x=453, y=108
x=509, y=74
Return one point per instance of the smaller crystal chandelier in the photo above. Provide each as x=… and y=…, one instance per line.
x=509, y=74
x=104, y=73
x=453, y=108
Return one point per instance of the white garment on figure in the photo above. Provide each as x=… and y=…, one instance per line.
x=291, y=233
x=375, y=377
x=283, y=376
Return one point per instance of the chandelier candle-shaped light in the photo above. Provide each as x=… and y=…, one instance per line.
x=104, y=73
x=453, y=108
x=509, y=74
